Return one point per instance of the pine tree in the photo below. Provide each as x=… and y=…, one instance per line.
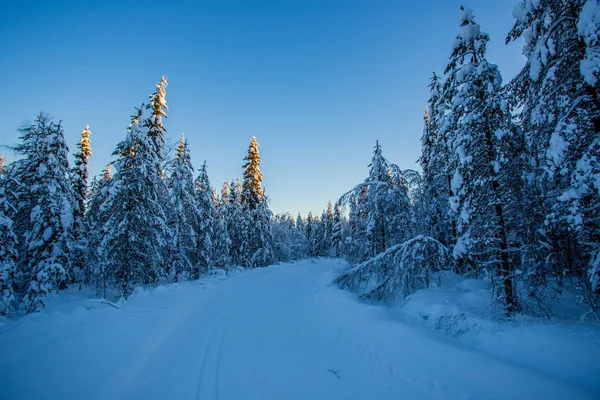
x=482, y=157
x=309, y=233
x=157, y=108
x=327, y=223
x=585, y=179
x=8, y=249
x=153, y=123
x=95, y=220
x=257, y=247
x=381, y=202
x=288, y=242
x=436, y=219
x=136, y=233
x=252, y=191
x=184, y=220
x=300, y=225
x=237, y=224
x=337, y=232
x=207, y=212
x=79, y=182
x=261, y=235
x=43, y=216
x=557, y=95
x=222, y=243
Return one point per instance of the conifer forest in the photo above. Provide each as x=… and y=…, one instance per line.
x=506, y=195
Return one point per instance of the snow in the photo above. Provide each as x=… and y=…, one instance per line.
x=557, y=148
x=470, y=30
x=522, y=10
x=42, y=169
x=588, y=27
x=456, y=182
x=460, y=308
x=283, y=332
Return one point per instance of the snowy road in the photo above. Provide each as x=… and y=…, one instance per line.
x=273, y=333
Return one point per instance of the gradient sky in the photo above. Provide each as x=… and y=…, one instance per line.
x=316, y=81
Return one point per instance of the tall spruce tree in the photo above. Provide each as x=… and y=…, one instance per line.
x=252, y=191
x=237, y=224
x=136, y=235
x=222, y=243
x=483, y=175
x=557, y=96
x=337, y=231
x=258, y=251
x=95, y=220
x=43, y=215
x=327, y=223
x=435, y=159
x=8, y=250
x=79, y=181
x=309, y=229
x=183, y=221
x=206, y=216
x=157, y=109
x=377, y=207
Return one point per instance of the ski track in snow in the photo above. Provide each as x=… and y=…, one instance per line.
x=273, y=333
x=209, y=387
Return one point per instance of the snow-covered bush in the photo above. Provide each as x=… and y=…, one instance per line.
x=398, y=271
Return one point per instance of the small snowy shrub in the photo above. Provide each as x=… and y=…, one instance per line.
x=398, y=271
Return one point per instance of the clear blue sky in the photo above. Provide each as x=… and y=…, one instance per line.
x=316, y=81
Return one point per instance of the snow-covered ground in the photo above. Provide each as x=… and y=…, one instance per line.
x=283, y=333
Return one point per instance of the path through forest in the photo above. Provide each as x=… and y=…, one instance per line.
x=275, y=333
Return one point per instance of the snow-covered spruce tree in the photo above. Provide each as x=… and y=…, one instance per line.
x=483, y=175
x=157, y=109
x=79, y=182
x=434, y=216
x=222, y=243
x=300, y=225
x=8, y=249
x=260, y=230
x=257, y=251
x=136, y=234
x=355, y=246
x=378, y=184
x=557, y=94
x=252, y=191
x=289, y=243
x=379, y=208
x=95, y=218
x=183, y=221
x=588, y=25
x=206, y=216
x=43, y=215
x=447, y=116
x=309, y=232
x=237, y=224
x=318, y=234
x=337, y=230
x=327, y=231
x=586, y=179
